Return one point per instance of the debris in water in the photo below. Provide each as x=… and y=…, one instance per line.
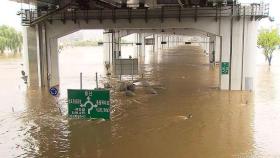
x=136, y=101
x=184, y=117
x=131, y=87
x=59, y=110
x=129, y=93
x=151, y=91
x=189, y=115
x=122, y=86
x=145, y=84
x=107, y=85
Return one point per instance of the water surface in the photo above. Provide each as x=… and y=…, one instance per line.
x=188, y=117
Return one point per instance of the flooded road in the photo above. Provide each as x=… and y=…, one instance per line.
x=187, y=117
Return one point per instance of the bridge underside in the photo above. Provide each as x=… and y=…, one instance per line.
x=229, y=33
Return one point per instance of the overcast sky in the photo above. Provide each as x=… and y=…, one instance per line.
x=9, y=9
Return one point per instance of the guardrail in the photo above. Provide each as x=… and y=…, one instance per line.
x=255, y=11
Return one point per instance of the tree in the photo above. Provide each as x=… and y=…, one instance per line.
x=268, y=39
x=10, y=39
x=3, y=41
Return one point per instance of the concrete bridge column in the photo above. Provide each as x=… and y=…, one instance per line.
x=116, y=40
x=156, y=42
x=107, y=48
x=225, y=33
x=173, y=41
x=168, y=43
x=41, y=55
x=154, y=45
x=30, y=55
x=162, y=40
x=53, y=73
x=248, y=58
x=212, y=49
x=142, y=46
x=181, y=39
x=238, y=50
x=217, y=45
x=166, y=40
x=135, y=40
x=117, y=45
x=207, y=45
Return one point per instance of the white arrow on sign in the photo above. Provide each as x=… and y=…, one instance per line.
x=91, y=105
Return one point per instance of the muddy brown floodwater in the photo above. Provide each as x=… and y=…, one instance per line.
x=187, y=117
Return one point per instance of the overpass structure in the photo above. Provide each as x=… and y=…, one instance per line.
x=228, y=28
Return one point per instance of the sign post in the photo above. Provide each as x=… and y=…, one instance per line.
x=81, y=80
x=89, y=103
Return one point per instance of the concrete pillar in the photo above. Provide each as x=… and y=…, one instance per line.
x=162, y=40
x=43, y=58
x=236, y=59
x=225, y=56
x=141, y=39
x=154, y=45
x=53, y=74
x=30, y=55
x=242, y=71
x=249, y=56
x=168, y=43
x=156, y=42
x=217, y=45
x=116, y=45
x=173, y=41
x=107, y=47
x=207, y=45
x=212, y=49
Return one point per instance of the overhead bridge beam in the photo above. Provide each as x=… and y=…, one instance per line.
x=115, y=12
x=130, y=14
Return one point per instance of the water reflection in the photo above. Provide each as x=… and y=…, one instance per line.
x=48, y=134
x=267, y=111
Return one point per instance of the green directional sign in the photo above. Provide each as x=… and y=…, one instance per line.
x=225, y=68
x=89, y=103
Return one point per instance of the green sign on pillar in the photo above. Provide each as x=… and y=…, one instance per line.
x=89, y=103
x=225, y=68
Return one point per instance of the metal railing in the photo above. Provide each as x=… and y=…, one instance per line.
x=254, y=10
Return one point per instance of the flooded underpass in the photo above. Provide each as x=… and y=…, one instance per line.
x=185, y=115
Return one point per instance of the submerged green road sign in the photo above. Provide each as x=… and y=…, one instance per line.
x=89, y=103
x=225, y=68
